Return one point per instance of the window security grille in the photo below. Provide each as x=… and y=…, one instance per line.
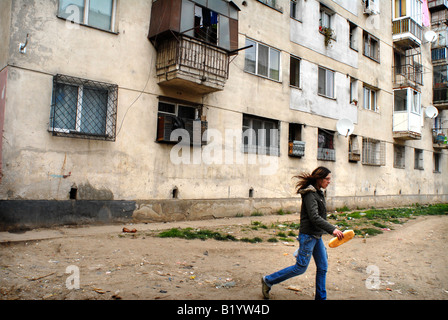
x=83, y=108
x=373, y=152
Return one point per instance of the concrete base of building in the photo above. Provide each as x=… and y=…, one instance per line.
x=22, y=215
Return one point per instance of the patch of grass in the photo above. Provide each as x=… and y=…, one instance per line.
x=256, y=214
x=189, y=233
x=367, y=222
x=281, y=212
x=252, y=240
x=343, y=209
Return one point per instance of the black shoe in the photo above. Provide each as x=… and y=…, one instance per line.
x=265, y=288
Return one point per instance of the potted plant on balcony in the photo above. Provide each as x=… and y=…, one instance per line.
x=328, y=34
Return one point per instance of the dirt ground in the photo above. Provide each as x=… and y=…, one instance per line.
x=407, y=263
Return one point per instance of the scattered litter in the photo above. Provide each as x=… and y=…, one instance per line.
x=385, y=229
x=294, y=288
x=38, y=278
x=116, y=296
x=98, y=290
x=129, y=231
x=229, y=284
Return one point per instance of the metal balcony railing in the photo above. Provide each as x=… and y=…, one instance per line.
x=407, y=75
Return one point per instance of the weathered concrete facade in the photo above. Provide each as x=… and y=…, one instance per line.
x=165, y=181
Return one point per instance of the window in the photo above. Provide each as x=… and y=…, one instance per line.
x=400, y=8
x=371, y=47
x=370, y=99
x=373, y=152
x=418, y=159
x=440, y=75
x=437, y=166
x=260, y=135
x=325, y=17
x=174, y=114
x=99, y=14
x=407, y=98
x=438, y=54
x=296, y=9
x=294, y=72
x=414, y=9
x=325, y=145
x=295, y=143
x=262, y=60
x=272, y=3
x=353, y=91
x=353, y=36
x=326, y=82
x=83, y=108
x=399, y=156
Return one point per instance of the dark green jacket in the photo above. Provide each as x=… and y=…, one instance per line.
x=313, y=216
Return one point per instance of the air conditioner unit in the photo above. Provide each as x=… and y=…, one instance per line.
x=371, y=7
x=296, y=148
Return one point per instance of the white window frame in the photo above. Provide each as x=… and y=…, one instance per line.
x=270, y=49
x=329, y=88
x=85, y=20
x=367, y=99
x=111, y=110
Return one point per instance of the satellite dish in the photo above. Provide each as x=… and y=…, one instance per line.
x=345, y=127
x=431, y=112
x=430, y=36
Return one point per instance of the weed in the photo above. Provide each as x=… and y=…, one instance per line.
x=343, y=209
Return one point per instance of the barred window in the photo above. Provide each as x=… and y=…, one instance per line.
x=83, y=108
x=373, y=152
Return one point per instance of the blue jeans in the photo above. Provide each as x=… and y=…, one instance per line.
x=308, y=245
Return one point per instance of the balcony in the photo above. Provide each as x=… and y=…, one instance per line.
x=435, y=5
x=440, y=140
x=187, y=63
x=407, y=117
x=440, y=96
x=407, y=33
x=194, y=40
x=407, y=75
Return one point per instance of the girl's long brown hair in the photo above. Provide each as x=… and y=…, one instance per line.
x=307, y=179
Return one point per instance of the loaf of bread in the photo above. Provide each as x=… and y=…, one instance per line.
x=335, y=242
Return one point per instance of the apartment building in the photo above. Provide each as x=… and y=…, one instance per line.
x=439, y=13
x=187, y=109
